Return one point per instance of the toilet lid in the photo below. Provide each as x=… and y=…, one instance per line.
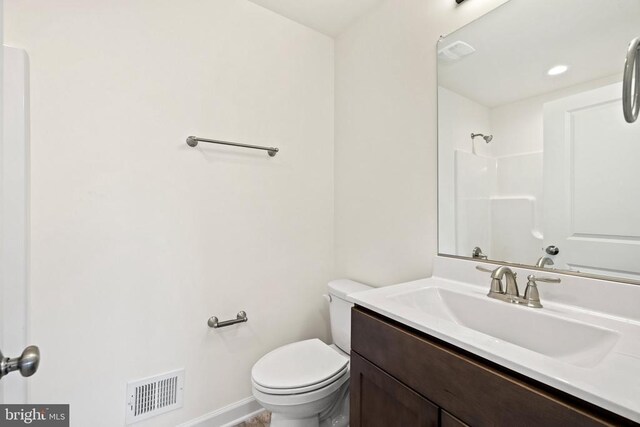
x=298, y=365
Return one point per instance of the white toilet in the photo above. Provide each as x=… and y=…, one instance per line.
x=306, y=384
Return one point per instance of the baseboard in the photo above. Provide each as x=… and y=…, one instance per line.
x=228, y=416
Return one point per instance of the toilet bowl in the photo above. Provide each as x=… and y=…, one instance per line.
x=306, y=383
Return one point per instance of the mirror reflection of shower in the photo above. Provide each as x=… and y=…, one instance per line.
x=487, y=139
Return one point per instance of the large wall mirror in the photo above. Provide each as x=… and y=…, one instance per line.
x=536, y=163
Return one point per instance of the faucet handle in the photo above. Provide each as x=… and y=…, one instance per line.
x=534, y=279
x=531, y=295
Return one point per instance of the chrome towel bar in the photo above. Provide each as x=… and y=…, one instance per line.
x=240, y=318
x=631, y=82
x=192, y=141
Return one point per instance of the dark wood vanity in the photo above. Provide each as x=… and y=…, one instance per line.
x=402, y=377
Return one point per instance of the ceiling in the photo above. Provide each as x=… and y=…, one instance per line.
x=517, y=43
x=330, y=17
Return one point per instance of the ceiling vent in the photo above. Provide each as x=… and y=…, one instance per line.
x=154, y=396
x=455, y=51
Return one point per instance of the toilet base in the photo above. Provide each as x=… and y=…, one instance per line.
x=281, y=420
x=335, y=415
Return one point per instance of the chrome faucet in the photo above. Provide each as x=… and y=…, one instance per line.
x=544, y=261
x=511, y=294
x=511, y=290
x=497, y=291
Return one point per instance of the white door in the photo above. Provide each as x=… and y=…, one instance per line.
x=592, y=184
x=14, y=229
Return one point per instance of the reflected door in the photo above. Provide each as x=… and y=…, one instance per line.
x=591, y=190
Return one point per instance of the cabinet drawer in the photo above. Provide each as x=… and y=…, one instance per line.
x=477, y=394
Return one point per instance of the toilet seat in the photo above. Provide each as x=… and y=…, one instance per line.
x=309, y=397
x=299, y=390
x=301, y=367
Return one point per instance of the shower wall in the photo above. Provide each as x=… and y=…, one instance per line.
x=465, y=180
x=485, y=198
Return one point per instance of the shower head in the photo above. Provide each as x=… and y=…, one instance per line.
x=487, y=138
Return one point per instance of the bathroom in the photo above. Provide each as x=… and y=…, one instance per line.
x=121, y=242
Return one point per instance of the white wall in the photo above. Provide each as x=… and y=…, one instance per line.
x=136, y=238
x=385, y=141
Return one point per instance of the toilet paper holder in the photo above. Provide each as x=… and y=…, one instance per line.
x=213, y=321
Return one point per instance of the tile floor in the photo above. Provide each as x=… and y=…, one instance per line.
x=261, y=420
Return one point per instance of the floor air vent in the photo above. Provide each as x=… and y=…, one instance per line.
x=154, y=396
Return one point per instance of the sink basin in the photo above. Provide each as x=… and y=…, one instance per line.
x=572, y=342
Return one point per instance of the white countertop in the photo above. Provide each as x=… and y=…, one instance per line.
x=612, y=383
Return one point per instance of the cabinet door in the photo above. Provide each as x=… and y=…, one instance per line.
x=379, y=400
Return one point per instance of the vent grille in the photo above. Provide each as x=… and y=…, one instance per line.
x=152, y=396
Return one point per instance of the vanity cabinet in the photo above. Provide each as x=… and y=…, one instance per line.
x=402, y=377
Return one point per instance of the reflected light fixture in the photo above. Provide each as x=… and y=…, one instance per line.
x=557, y=70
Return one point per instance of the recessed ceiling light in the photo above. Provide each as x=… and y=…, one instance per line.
x=558, y=69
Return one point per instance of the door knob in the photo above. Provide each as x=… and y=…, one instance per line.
x=27, y=363
x=552, y=250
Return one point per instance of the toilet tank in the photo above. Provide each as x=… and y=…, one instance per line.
x=340, y=311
